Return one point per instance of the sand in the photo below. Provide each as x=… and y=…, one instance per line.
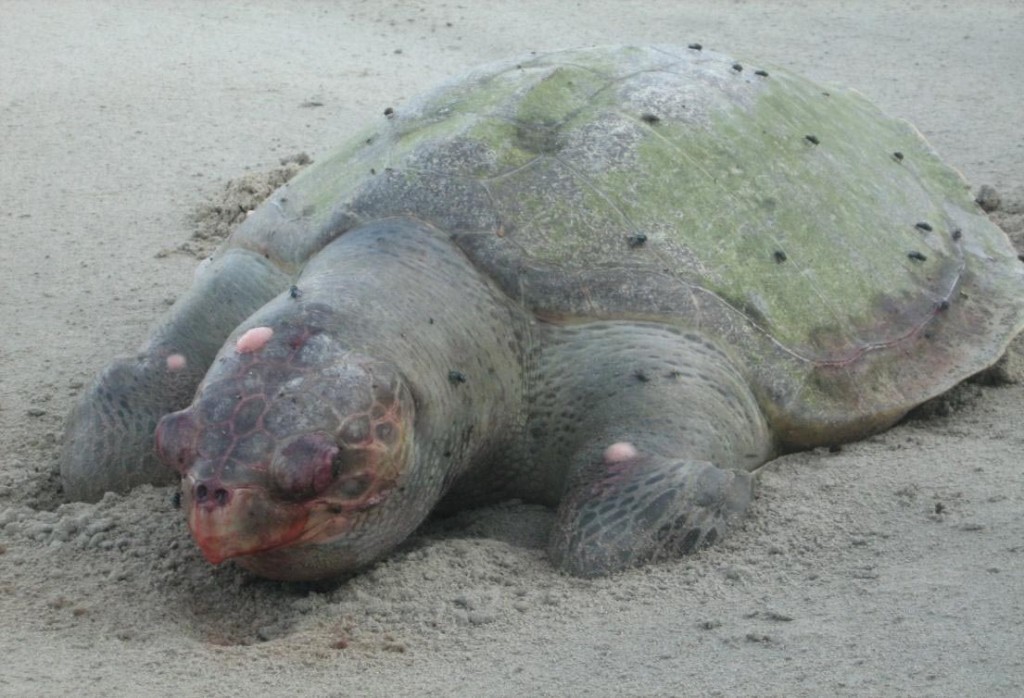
x=893, y=567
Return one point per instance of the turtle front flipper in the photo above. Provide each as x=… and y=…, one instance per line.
x=631, y=508
x=656, y=431
x=108, y=439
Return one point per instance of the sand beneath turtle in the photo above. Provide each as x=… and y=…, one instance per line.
x=892, y=567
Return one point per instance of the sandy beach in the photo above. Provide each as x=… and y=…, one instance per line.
x=892, y=567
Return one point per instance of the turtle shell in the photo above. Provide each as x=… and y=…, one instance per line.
x=844, y=267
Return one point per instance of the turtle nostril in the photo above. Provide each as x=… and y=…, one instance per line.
x=204, y=493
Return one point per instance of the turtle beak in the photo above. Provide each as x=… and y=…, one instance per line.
x=228, y=521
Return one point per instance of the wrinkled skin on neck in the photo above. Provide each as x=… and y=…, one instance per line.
x=289, y=441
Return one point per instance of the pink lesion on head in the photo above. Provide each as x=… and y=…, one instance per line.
x=253, y=340
x=176, y=362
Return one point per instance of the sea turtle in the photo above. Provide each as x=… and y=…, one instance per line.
x=617, y=280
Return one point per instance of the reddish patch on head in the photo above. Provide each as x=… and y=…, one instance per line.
x=253, y=340
x=620, y=451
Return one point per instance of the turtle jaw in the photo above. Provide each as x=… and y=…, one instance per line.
x=245, y=522
x=229, y=522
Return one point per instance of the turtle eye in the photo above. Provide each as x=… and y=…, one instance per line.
x=306, y=466
x=176, y=437
x=350, y=470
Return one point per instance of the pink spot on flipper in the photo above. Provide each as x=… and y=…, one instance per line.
x=620, y=451
x=176, y=362
x=253, y=340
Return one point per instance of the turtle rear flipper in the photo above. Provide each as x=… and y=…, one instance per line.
x=108, y=439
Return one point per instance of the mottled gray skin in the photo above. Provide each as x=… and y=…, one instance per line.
x=628, y=247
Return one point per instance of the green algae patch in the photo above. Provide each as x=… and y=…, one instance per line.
x=337, y=176
x=797, y=209
x=563, y=92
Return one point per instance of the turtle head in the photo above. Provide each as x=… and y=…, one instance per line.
x=294, y=443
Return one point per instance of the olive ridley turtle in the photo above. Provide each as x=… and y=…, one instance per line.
x=615, y=280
